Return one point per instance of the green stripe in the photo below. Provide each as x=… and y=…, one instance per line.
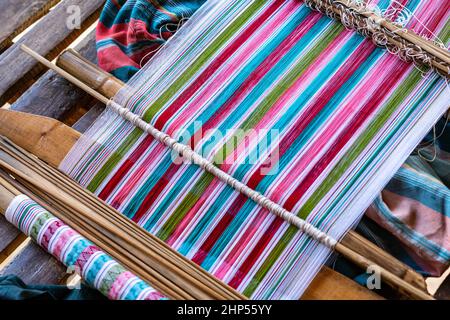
x=205, y=180
x=361, y=143
x=129, y=142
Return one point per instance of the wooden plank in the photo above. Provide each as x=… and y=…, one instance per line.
x=7, y=233
x=48, y=37
x=53, y=96
x=10, y=237
x=325, y=286
x=16, y=16
x=47, y=138
x=34, y=266
x=89, y=118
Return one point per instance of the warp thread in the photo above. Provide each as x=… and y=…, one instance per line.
x=195, y=158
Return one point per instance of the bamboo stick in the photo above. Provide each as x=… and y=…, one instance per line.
x=340, y=248
x=145, y=255
x=328, y=284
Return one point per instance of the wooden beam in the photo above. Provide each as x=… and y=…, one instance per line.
x=368, y=249
x=30, y=262
x=7, y=231
x=85, y=121
x=46, y=138
x=16, y=16
x=53, y=96
x=328, y=285
x=99, y=80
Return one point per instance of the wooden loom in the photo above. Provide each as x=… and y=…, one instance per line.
x=62, y=138
x=50, y=140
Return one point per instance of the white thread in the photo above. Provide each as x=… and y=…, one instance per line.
x=141, y=63
x=433, y=143
x=371, y=28
x=203, y=163
x=161, y=37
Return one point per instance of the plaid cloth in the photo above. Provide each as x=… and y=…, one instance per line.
x=413, y=208
x=415, y=205
x=130, y=31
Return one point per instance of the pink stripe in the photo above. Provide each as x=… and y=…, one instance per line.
x=61, y=241
x=117, y=287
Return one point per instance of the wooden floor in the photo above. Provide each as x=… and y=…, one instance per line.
x=26, y=86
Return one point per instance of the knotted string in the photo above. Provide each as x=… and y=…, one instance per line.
x=190, y=155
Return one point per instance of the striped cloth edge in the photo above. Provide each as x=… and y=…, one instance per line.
x=77, y=253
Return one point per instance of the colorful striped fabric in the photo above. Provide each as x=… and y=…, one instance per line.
x=130, y=30
x=415, y=205
x=330, y=116
x=98, y=269
x=430, y=264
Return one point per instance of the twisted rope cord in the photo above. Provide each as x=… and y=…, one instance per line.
x=187, y=153
x=372, y=28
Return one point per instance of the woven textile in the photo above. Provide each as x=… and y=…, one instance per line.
x=98, y=269
x=130, y=30
x=332, y=116
x=121, y=52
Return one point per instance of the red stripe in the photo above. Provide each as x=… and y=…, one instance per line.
x=216, y=64
x=120, y=174
x=155, y=192
x=126, y=166
x=333, y=85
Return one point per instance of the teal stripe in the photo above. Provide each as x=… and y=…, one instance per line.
x=139, y=196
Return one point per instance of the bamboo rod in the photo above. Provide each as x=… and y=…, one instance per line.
x=340, y=248
x=7, y=194
x=62, y=182
x=171, y=271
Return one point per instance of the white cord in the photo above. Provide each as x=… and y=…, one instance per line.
x=206, y=165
